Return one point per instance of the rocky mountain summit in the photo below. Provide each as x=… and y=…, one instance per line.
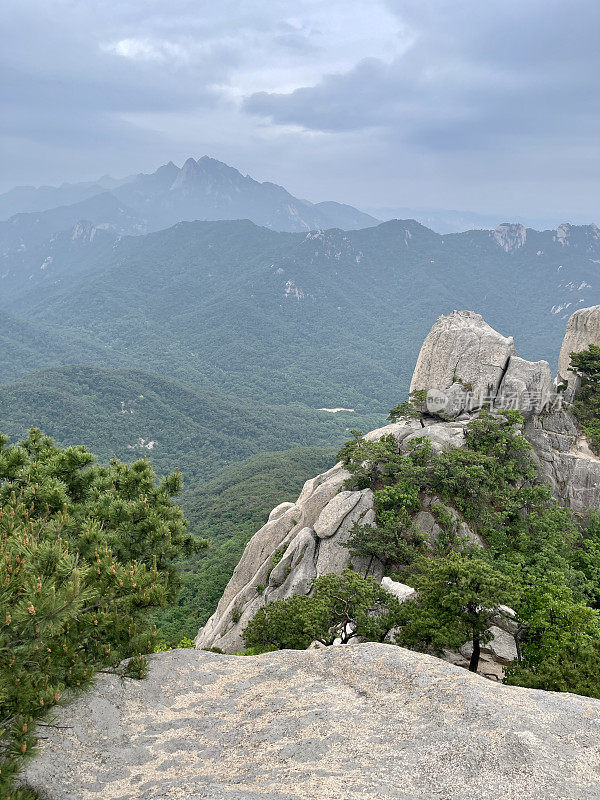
x=363, y=722
x=463, y=365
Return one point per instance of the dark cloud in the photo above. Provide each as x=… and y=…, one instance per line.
x=483, y=103
x=475, y=75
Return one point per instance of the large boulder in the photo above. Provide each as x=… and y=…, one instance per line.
x=583, y=329
x=526, y=385
x=464, y=354
x=502, y=646
x=362, y=722
x=401, y=591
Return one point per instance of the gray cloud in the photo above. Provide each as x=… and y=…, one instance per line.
x=481, y=103
x=476, y=75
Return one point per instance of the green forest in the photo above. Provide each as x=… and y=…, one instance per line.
x=100, y=566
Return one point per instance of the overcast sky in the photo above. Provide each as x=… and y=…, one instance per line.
x=489, y=105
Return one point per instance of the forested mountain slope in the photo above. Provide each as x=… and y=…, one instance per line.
x=26, y=345
x=131, y=414
x=329, y=318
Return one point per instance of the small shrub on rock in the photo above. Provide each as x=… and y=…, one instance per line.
x=339, y=607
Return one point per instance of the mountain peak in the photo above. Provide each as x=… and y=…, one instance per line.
x=189, y=165
x=510, y=236
x=210, y=161
x=202, y=189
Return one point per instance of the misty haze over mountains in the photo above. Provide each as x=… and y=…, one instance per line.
x=207, y=189
x=225, y=293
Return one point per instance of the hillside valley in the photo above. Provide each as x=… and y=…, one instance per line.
x=329, y=318
x=129, y=414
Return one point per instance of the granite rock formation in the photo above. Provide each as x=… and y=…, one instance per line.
x=583, y=329
x=462, y=357
x=462, y=351
x=363, y=722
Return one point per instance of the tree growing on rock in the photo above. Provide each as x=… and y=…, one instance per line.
x=456, y=598
x=340, y=607
x=586, y=407
x=394, y=539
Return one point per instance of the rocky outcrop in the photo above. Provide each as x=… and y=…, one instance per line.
x=461, y=357
x=525, y=385
x=84, y=231
x=462, y=354
x=510, y=236
x=582, y=236
x=363, y=722
x=464, y=364
x=583, y=329
x=304, y=540
x=300, y=542
x=564, y=460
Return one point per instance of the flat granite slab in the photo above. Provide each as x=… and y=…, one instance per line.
x=367, y=721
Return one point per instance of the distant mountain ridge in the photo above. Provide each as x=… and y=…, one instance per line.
x=445, y=221
x=327, y=318
x=203, y=189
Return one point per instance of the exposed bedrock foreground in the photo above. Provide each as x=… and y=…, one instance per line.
x=368, y=721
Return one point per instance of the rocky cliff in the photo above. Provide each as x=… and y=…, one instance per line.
x=362, y=722
x=463, y=364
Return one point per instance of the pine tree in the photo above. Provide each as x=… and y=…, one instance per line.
x=456, y=598
x=587, y=403
x=339, y=606
x=85, y=552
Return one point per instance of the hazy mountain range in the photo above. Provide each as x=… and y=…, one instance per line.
x=261, y=323
x=223, y=347
x=325, y=318
x=444, y=220
x=205, y=189
x=329, y=318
